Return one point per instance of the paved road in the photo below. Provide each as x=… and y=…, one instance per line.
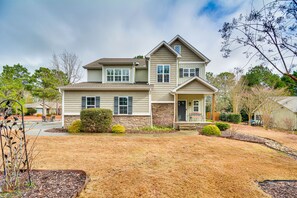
x=35, y=128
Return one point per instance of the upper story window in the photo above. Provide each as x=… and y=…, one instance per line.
x=117, y=75
x=189, y=72
x=163, y=73
x=177, y=48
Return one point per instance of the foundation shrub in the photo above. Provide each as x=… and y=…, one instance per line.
x=211, y=130
x=74, y=127
x=223, y=126
x=118, y=128
x=96, y=120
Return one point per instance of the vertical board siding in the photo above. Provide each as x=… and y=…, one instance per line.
x=73, y=100
x=186, y=53
x=161, y=91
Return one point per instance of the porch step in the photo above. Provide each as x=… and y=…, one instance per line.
x=187, y=127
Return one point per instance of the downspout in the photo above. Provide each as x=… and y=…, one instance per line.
x=150, y=108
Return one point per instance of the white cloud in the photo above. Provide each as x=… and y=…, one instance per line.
x=31, y=31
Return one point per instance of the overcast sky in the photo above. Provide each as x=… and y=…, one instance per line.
x=31, y=30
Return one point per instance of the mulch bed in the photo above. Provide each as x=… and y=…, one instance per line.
x=53, y=183
x=56, y=130
x=280, y=188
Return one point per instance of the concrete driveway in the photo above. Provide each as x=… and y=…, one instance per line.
x=38, y=128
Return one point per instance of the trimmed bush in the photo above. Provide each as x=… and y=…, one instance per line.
x=231, y=117
x=235, y=118
x=223, y=126
x=211, y=130
x=96, y=120
x=118, y=128
x=223, y=117
x=30, y=111
x=74, y=127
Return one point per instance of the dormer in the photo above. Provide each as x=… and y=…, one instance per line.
x=117, y=70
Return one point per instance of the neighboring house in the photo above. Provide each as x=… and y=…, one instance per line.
x=51, y=107
x=284, y=112
x=167, y=87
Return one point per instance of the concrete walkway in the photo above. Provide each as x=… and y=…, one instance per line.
x=38, y=128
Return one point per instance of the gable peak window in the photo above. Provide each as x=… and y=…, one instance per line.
x=163, y=73
x=117, y=75
x=177, y=48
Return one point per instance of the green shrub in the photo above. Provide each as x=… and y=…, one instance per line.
x=74, y=127
x=118, y=128
x=235, y=118
x=211, y=130
x=95, y=120
x=30, y=111
x=223, y=126
x=223, y=117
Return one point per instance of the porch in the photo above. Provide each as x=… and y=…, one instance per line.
x=190, y=102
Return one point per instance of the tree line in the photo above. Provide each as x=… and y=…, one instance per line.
x=16, y=82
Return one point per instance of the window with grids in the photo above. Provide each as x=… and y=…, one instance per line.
x=118, y=75
x=163, y=73
x=189, y=72
x=196, y=106
x=91, y=102
x=123, y=105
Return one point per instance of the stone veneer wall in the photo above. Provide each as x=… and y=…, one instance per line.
x=132, y=121
x=68, y=119
x=129, y=122
x=163, y=114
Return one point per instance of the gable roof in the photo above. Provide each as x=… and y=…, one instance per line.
x=191, y=47
x=139, y=62
x=107, y=86
x=163, y=43
x=200, y=80
x=290, y=102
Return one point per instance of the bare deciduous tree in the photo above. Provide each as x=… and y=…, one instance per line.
x=269, y=33
x=69, y=64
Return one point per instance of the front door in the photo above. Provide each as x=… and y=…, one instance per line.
x=181, y=110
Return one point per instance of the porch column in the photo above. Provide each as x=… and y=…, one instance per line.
x=213, y=106
x=175, y=107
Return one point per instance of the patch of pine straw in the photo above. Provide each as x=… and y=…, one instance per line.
x=283, y=137
x=166, y=166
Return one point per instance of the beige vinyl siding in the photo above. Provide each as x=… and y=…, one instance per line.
x=94, y=75
x=161, y=91
x=72, y=100
x=194, y=86
x=141, y=76
x=201, y=67
x=186, y=53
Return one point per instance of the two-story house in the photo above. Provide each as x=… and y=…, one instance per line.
x=168, y=87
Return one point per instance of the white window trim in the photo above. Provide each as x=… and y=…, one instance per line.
x=87, y=101
x=179, y=48
x=113, y=81
x=189, y=72
x=127, y=97
x=198, y=106
x=163, y=73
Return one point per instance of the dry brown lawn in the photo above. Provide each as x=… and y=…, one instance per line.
x=286, y=138
x=165, y=166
